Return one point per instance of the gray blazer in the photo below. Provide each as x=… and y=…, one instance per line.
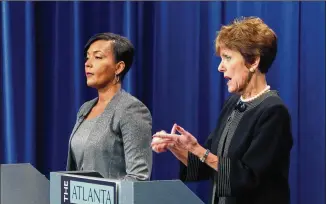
x=118, y=146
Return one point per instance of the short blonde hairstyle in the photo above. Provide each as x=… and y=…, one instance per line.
x=252, y=38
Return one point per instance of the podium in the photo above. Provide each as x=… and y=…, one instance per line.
x=90, y=188
x=23, y=184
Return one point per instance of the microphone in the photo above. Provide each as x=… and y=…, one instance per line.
x=240, y=106
x=81, y=117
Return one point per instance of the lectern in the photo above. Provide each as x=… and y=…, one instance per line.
x=90, y=188
x=23, y=184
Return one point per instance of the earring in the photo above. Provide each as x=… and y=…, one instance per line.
x=252, y=70
x=117, y=79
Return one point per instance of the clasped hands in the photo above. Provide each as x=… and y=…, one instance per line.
x=163, y=140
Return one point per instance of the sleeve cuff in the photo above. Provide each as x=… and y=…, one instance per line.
x=223, y=185
x=190, y=172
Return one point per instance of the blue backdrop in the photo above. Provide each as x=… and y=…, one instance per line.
x=174, y=74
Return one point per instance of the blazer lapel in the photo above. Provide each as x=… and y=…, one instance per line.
x=82, y=114
x=98, y=130
x=80, y=118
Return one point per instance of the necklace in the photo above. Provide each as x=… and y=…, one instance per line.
x=256, y=96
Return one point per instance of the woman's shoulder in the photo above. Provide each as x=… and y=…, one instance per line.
x=273, y=101
x=271, y=105
x=128, y=102
x=127, y=99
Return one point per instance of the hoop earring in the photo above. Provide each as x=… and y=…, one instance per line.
x=117, y=79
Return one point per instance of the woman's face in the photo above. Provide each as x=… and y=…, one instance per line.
x=100, y=65
x=234, y=69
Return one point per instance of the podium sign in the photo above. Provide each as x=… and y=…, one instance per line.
x=87, y=188
x=76, y=190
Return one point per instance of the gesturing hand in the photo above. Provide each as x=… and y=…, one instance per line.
x=185, y=140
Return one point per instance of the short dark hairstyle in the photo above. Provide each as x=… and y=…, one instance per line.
x=123, y=49
x=252, y=38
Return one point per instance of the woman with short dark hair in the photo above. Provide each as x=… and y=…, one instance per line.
x=112, y=133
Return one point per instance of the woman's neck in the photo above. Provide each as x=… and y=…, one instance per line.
x=106, y=94
x=255, y=87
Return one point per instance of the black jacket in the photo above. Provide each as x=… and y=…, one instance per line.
x=258, y=156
